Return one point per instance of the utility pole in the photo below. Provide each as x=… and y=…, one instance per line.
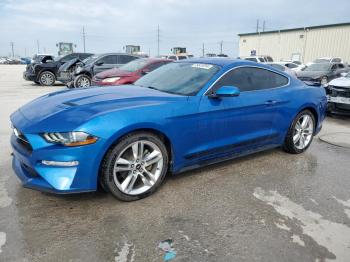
x=257, y=25
x=263, y=26
x=37, y=43
x=203, y=49
x=25, y=52
x=221, y=43
x=158, y=40
x=13, y=54
x=84, y=37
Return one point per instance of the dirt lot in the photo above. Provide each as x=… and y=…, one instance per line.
x=270, y=206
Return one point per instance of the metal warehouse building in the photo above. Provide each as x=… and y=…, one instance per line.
x=303, y=44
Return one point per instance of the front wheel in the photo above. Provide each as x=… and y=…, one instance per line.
x=82, y=81
x=135, y=167
x=300, y=133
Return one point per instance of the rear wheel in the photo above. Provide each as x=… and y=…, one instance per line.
x=135, y=167
x=82, y=81
x=300, y=134
x=47, y=78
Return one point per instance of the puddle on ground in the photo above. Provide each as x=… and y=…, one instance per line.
x=333, y=236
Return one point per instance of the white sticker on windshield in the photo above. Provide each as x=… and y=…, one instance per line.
x=202, y=66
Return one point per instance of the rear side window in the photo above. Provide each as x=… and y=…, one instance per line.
x=123, y=59
x=109, y=59
x=251, y=79
x=250, y=59
x=290, y=65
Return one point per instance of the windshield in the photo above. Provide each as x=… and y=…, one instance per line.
x=179, y=78
x=318, y=67
x=89, y=59
x=322, y=60
x=134, y=65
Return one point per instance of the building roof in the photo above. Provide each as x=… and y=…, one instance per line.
x=296, y=29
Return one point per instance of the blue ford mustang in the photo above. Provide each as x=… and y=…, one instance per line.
x=181, y=116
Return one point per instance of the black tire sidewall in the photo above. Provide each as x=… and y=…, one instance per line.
x=77, y=79
x=109, y=160
x=289, y=145
x=47, y=72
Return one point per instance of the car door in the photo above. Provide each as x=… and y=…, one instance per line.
x=104, y=63
x=237, y=124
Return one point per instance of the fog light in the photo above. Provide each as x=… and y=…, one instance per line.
x=59, y=163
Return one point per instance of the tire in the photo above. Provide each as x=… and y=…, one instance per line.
x=82, y=81
x=37, y=82
x=140, y=174
x=47, y=78
x=294, y=145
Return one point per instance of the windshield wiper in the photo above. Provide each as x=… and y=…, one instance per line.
x=152, y=87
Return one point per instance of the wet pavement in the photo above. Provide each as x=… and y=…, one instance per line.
x=269, y=206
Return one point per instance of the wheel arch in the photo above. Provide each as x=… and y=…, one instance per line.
x=161, y=135
x=313, y=111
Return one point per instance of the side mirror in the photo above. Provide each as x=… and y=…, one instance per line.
x=99, y=63
x=343, y=74
x=226, y=91
x=145, y=71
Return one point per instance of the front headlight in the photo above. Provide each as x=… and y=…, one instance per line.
x=110, y=79
x=70, y=138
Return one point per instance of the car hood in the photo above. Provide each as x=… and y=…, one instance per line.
x=312, y=74
x=341, y=82
x=69, y=64
x=66, y=110
x=115, y=72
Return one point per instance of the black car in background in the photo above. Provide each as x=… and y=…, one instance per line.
x=45, y=71
x=96, y=64
x=322, y=73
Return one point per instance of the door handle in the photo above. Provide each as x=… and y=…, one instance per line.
x=270, y=102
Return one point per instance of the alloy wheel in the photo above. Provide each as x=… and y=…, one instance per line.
x=303, y=131
x=138, y=167
x=47, y=79
x=83, y=81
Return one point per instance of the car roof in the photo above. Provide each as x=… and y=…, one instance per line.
x=221, y=61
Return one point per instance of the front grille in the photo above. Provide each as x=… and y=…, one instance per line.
x=23, y=141
x=339, y=91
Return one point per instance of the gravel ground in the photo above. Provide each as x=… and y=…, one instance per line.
x=270, y=206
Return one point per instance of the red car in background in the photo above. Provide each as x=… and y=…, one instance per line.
x=128, y=73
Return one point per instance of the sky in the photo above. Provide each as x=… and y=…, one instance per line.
x=110, y=25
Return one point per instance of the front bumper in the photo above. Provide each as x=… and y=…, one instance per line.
x=29, y=76
x=65, y=77
x=55, y=179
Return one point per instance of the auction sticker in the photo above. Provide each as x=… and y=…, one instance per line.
x=202, y=66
